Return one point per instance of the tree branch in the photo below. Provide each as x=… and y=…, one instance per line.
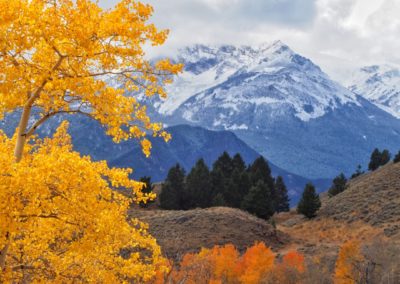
x=36, y=94
x=50, y=114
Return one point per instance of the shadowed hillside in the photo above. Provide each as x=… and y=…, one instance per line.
x=179, y=232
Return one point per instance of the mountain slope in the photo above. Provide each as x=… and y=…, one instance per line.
x=373, y=198
x=192, y=143
x=282, y=105
x=380, y=85
x=188, y=144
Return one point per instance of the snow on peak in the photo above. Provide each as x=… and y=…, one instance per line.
x=238, y=77
x=379, y=84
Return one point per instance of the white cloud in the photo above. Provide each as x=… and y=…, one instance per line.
x=337, y=34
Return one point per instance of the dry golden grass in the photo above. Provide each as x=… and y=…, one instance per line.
x=373, y=198
x=179, y=232
x=367, y=211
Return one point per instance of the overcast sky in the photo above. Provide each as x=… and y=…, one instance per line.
x=336, y=34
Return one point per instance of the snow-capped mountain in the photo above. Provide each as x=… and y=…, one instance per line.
x=281, y=104
x=379, y=84
x=244, y=76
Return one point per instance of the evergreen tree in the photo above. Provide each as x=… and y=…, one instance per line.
x=148, y=188
x=224, y=164
x=375, y=161
x=238, y=187
x=385, y=157
x=338, y=185
x=309, y=202
x=198, y=186
x=397, y=158
x=218, y=182
x=172, y=193
x=259, y=201
x=221, y=176
x=243, y=183
x=260, y=170
x=281, y=196
x=218, y=200
x=358, y=172
x=238, y=163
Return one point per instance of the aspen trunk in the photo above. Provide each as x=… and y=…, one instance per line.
x=21, y=137
x=19, y=148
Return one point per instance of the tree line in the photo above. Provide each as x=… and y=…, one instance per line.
x=230, y=182
x=378, y=159
x=251, y=188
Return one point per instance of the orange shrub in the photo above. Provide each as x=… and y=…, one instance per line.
x=257, y=261
x=349, y=263
x=224, y=265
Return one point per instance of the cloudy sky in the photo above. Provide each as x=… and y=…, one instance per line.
x=336, y=34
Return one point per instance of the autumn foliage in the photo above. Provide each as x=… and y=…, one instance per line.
x=62, y=219
x=224, y=264
x=58, y=56
x=349, y=264
x=373, y=262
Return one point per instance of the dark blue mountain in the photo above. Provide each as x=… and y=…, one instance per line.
x=188, y=144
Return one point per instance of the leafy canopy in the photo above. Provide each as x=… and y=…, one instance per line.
x=57, y=56
x=61, y=218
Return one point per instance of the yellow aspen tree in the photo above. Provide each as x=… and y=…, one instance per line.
x=255, y=264
x=60, y=218
x=349, y=264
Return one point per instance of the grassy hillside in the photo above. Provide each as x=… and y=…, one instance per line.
x=179, y=232
x=373, y=198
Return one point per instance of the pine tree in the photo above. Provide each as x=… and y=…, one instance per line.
x=260, y=170
x=243, y=184
x=358, y=172
x=218, y=200
x=148, y=188
x=281, y=196
x=385, y=157
x=309, y=202
x=397, y=158
x=198, y=186
x=218, y=182
x=259, y=201
x=173, y=189
x=221, y=176
x=338, y=185
x=224, y=164
x=375, y=161
x=238, y=163
x=238, y=187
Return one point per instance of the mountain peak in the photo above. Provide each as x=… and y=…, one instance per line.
x=379, y=84
x=267, y=75
x=276, y=46
x=201, y=52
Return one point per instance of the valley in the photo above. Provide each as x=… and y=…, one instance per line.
x=181, y=142
x=342, y=218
